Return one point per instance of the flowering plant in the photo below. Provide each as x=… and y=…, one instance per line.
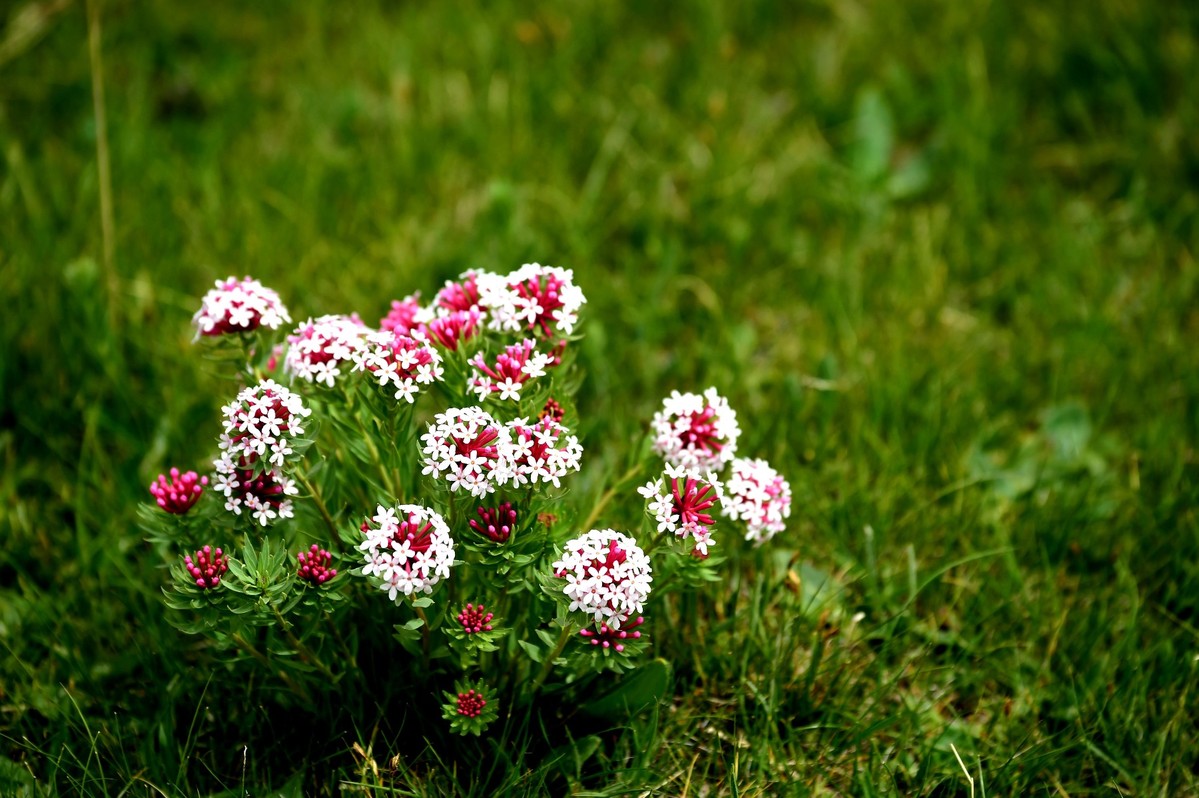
x=391, y=503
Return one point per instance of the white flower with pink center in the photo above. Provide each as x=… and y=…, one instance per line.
x=696, y=432
x=408, y=548
x=399, y=362
x=512, y=368
x=759, y=496
x=684, y=505
x=542, y=452
x=318, y=349
x=468, y=449
x=607, y=576
x=460, y=295
x=262, y=423
x=542, y=300
x=238, y=306
x=263, y=494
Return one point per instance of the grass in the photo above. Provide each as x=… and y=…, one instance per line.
x=941, y=257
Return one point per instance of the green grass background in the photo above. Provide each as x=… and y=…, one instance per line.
x=940, y=256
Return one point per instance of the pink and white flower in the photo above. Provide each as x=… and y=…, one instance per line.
x=405, y=316
x=399, y=362
x=683, y=506
x=317, y=349
x=262, y=423
x=607, y=575
x=513, y=367
x=238, y=306
x=759, y=496
x=696, y=432
x=262, y=494
x=451, y=330
x=408, y=548
x=542, y=300
x=542, y=452
x=469, y=449
x=460, y=295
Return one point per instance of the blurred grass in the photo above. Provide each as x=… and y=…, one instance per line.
x=940, y=256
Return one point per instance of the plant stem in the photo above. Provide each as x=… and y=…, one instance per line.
x=548, y=664
x=306, y=654
x=249, y=648
x=608, y=495
x=320, y=504
x=424, y=632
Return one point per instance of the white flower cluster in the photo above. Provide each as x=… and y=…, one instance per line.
x=513, y=367
x=262, y=423
x=542, y=453
x=607, y=576
x=683, y=505
x=236, y=306
x=408, y=548
x=696, y=432
x=540, y=299
x=317, y=349
x=758, y=495
x=475, y=453
x=400, y=362
x=264, y=494
x=463, y=446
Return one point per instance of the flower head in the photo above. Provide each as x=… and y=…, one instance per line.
x=467, y=448
x=608, y=637
x=263, y=494
x=684, y=506
x=470, y=708
x=452, y=329
x=313, y=566
x=261, y=424
x=544, y=451
x=475, y=619
x=607, y=576
x=759, y=496
x=179, y=494
x=513, y=367
x=460, y=295
x=552, y=410
x=206, y=567
x=408, y=548
x=317, y=349
x=696, y=432
x=237, y=306
x=400, y=362
x=542, y=300
x=404, y=316
x=495, y=523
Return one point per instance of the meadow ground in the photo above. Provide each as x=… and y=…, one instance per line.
x=941, y=257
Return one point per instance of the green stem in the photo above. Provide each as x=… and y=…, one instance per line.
x=306, y=654
x=608, y=495
x=294, y=686
x=548, y=664
x=320, y=504
x=424, y=633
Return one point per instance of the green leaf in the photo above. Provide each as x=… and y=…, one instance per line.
x=642, y=688
x=874, y=135
x=535, y=653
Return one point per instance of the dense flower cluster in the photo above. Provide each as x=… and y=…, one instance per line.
x=459, y=295
x=684, y=505
x=468, y=448
x=475, y=619
x=471, y=703
x=408, y=548
x=399, y=362
x=264, y=494
x=206, y=567
x=313, y=565
x=542, y=452
x=759, y=496
x=317, y=349
x=607, y=576
x=237, y=306
x=607, y=636
x=696, y=432
x=540, y=299
x=515, y=366
x=262, y=423
x=178, y=495
x=495, y=523
x=404, y=316
x=453, y=329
